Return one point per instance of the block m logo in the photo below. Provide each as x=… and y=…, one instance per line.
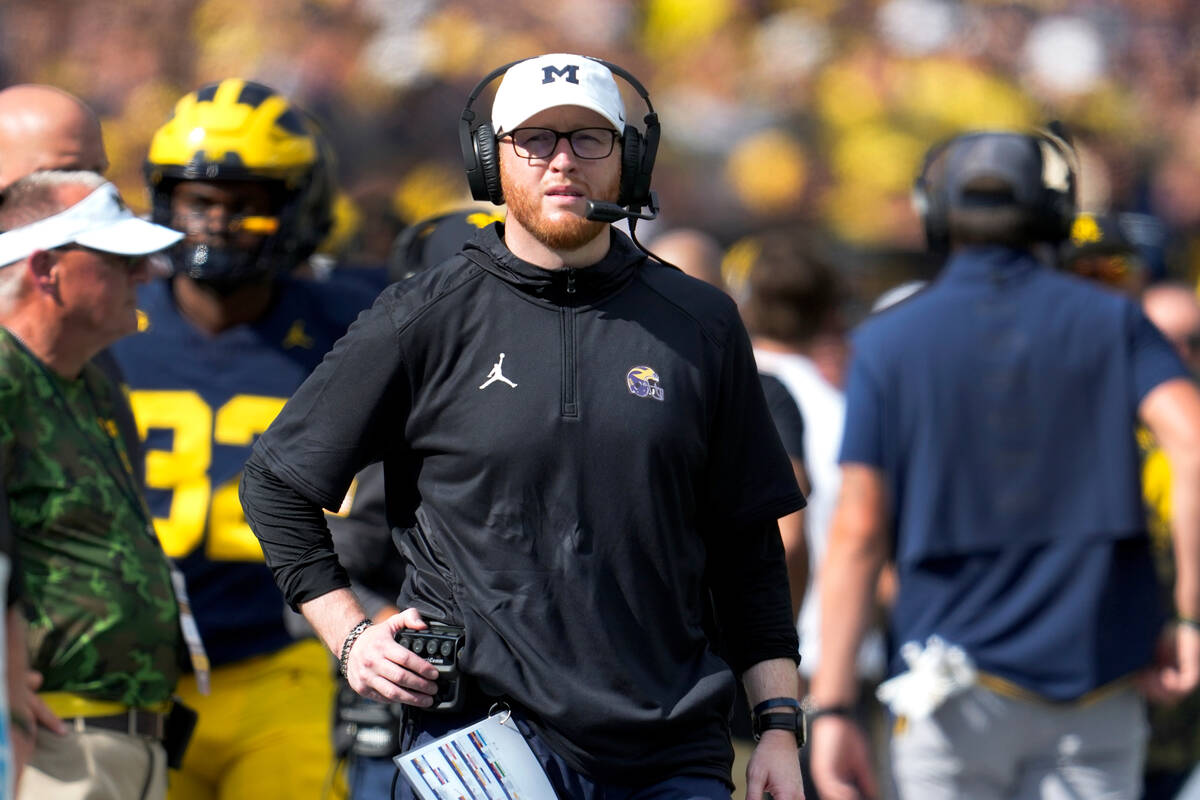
x=550, y=74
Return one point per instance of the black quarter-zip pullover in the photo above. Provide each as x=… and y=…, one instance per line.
x=575, y=459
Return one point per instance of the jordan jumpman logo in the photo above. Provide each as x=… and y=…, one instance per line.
x=497, y=375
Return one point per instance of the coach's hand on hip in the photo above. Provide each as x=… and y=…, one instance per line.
x=378, y=668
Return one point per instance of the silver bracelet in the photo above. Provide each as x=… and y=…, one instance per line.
x=351, y=638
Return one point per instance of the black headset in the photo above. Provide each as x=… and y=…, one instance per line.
x=1052, y=213
x=482, y=160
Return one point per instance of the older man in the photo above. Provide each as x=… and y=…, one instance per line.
x=41, y=127
x=103, y=619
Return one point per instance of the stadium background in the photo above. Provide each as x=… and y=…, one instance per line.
x=774, y=112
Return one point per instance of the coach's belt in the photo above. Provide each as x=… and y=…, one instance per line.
x=1012, y=691
x=82, y=714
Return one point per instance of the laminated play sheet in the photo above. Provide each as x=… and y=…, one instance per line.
x=489, y=760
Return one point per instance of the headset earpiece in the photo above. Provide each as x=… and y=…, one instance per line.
x=470, y=154
x=631, y=164
x=649, y=145
x=932, y=219
x=637, y=168
x=1059, y=171
x=926, y=202
x=488, y=155
x=469, y=138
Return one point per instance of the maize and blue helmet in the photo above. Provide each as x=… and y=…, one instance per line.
x=237, y=130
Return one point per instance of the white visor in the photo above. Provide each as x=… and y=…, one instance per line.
x=557, y=79
x=100, y=221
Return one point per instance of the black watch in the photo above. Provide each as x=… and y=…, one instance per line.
x=791, y=719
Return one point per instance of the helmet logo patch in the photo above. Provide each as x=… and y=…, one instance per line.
x=643, y=382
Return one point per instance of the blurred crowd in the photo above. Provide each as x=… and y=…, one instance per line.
x=773, y=110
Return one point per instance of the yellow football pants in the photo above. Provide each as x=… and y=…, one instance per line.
x=264, y=732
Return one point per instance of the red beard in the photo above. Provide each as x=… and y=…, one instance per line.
x=570, y=233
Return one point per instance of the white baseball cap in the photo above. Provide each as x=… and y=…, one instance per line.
x=100, y=221
x=557, y=79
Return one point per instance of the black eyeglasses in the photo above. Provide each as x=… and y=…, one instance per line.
x=589, y=143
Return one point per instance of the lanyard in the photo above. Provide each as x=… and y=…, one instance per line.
x=122, y=476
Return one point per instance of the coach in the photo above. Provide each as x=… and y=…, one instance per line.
x=578, y=457
x=990, y=444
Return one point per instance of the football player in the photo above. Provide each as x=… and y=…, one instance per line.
x=225, y=339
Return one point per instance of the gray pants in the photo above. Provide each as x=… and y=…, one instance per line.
x=985, y=746
x=96, y=765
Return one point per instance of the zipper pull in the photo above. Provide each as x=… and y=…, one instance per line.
x=571, y=280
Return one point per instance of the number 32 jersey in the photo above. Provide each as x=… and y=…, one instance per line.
x=200, y=402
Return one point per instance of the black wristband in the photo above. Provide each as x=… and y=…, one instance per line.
x=781, y=722
x=789, y=718
x=775, y=702
x=1188, y=622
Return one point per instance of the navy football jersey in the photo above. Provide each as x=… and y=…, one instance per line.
x=200, y=402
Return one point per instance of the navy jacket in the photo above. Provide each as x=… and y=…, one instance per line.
x=1001, y=403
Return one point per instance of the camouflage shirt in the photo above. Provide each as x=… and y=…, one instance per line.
x=103, y=621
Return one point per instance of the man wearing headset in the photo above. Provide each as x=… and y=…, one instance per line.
x=581, y=469
x=989, y=451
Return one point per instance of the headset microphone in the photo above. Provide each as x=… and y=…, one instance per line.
x=611, y=212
